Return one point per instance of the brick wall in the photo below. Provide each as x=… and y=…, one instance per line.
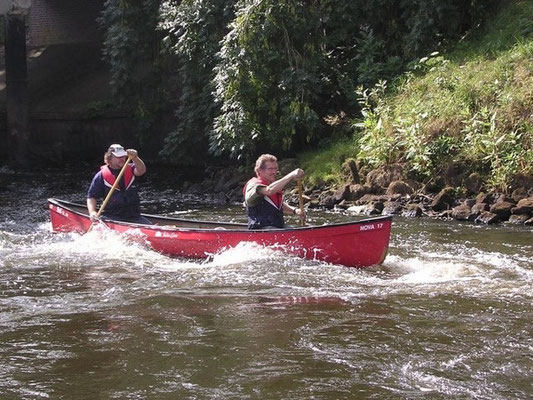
x=64, y=21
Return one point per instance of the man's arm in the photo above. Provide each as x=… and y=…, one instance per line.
x=251, y=194
x=91, y=207
x=292, y=210
x=140, y=167
x=277, y=186
x=96, y=191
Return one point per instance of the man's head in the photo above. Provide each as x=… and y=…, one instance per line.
x=266, y=167
x=115, y=156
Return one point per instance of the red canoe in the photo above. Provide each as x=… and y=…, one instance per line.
x=353, y=244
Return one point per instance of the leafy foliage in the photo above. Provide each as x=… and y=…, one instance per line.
x=249, y=76
x=285, y=66
x=469, y=109
x=502, y=153
x=267, y=77
x=193, y=30
x=131, y=49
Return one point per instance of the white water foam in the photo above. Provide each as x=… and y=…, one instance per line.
x=422, y=271
x=477, y=273
x=469, y=270
x=244, y=252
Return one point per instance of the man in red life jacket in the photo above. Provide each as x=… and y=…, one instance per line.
x=263, y=195
x=124, y=202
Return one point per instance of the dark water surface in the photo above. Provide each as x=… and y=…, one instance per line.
x=97, y=317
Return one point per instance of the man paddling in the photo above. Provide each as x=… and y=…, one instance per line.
x=263, y=195
x=124, y=202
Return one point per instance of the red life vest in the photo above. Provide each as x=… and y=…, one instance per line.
x=276, y=199
x=109, y=178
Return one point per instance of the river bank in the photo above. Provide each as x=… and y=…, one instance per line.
x=386, y=191
x=383, y=191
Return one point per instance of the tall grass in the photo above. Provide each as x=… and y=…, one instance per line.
x=323, y=166
x=471, y=107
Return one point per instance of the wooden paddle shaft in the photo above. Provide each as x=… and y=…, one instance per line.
x=301, y=201
x=108, y=197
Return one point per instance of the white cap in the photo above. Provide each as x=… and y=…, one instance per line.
x=117, y=150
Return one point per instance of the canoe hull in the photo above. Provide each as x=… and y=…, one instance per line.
x=358, y=244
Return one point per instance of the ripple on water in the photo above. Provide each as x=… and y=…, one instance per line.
x=447, y=314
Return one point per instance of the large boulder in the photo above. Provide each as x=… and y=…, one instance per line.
x=472, y=183
x=412, y=211
x=343, y=193
x=521, y=181
x=392, y=208
x=369, y=198
x=502, y=209
x=519, y=194
x=443, y=200
x=478, y=208
x=357, y=191
x=463, y=213
x=383, y=176
x=376, y=208
x=327, y=200
x=485, y=198
x=399, y=187
x=518, y=219
x=503, y=197
x=487, y=217
x=524, y=206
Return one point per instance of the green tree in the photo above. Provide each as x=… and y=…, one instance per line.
x=193, y=30
x=139, y=77
x=247, y=76
x=267, y=79
x=286, y=65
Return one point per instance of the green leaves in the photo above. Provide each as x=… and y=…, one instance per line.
x=137, y=72
x=193, y=30
x=249, y=76
x=266, y=78
x=473, y=113
x=502, y=151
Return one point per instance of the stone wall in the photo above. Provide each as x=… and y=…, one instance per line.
x=64, y=21
x=58, y=24
x=61, y=138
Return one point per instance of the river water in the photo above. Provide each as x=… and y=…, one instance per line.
x=97, y=317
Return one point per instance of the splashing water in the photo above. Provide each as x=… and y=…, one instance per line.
x=447, y=314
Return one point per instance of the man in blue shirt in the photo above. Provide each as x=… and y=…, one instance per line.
x=124, y=202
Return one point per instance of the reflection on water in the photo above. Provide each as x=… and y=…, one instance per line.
x=102, y=316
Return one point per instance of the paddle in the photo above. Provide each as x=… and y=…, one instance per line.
x=301, y=201
x=108, y=197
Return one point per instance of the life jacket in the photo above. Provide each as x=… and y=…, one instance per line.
x=109, y=178
x=124, y=202
x=269, y=212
